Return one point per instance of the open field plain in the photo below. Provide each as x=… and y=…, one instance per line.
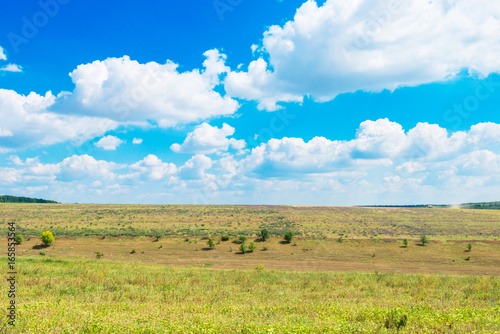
x=346, y=271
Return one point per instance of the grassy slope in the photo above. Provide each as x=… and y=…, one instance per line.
x=313, y=222
x=97, y=296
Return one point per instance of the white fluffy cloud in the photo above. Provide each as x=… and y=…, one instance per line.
x=342, y=47
x=137, y=141
x=129, y=92
x=85, y=167
x=109, y=143
x=8, y=67
x=384, y=163
x=11, y=68
x=26, y=121
x=209, y=139
x=2, y=54
x=152, y=168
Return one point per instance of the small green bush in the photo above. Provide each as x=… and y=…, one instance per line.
x=211, y=243
x=42, y=253
x=469, y=247
x=98, y=255
x=424, y=240
x=288, y=236
x=242, y=239
x=264, y=234
x=47, y=238
x=225, y=237
x=243, y=248
x=133, y=251
x=19, y=239
x=405, y=242
x=251, y=247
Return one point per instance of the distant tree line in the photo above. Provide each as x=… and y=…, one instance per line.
x=15, y=199
x=483, y=205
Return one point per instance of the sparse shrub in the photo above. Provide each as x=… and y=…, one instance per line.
x=19, y=239
x=42, y=253
x=394, y=320
x=468, y=258
x=243, y=248
x=242, y=239
x=47, y=238
x=225, y=237
x=405, y=243
x=98, y=255
x=211, y=243
x=469, y=247
x=133, y=251
x=251, y=247
x=424, y=240
x=264, y=234
x=288, y=236
x=259, y=268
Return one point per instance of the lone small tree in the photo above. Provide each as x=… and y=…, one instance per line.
x=19, y=239
x=157, y=236
x=242, y=239
x=469, y=247
x=211, y=243
x=251, y=247
x=424, y=240
x=405, y=243
x=288, y=236
x=243, y=248
x=47, y=238
x=264, y=234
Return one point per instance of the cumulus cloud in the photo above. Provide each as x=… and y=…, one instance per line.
x=109, y=143
x=209, y=139
x=384, y=163
x=194, y=168
x=137, y=141
x=152, y=168
x=27, y=122
x=85, y=167
x=130, y=92
x=11, y=68
x=342, y=47
x=3, y=56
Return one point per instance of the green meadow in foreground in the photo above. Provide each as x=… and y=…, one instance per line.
x=57, y=295
x=153, y=269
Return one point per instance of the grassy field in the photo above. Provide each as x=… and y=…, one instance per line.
x=99, y=296
x=346, y=271
x=311, y=222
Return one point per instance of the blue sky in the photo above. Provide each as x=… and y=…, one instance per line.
x=245, y=102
